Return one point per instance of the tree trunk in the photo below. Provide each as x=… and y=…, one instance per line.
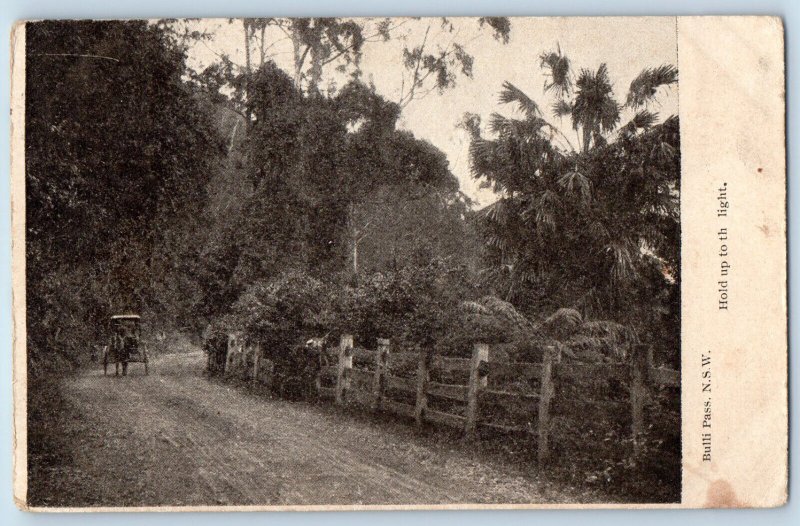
x=247, y=110
x=355, y=257
x=299, y=57
x=353, y=235
x=246, y=46
x=263, y=56
x=316, y=68
x=587, y=137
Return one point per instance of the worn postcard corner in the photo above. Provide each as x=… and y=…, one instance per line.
x=399, y=263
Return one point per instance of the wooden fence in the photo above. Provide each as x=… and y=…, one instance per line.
x=459, y=392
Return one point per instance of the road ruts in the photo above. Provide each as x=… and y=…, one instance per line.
x=177, y=438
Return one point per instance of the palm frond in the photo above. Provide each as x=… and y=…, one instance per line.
x=510, y=93
x=643, y=120
x=562, y=108
x=483, y=157
x=556, y=68
x=544, y=209
x=609, y=114
x=598, y=230
x=645, y=86
x=622, y=260
x=504, y=126
x=499, y=124
x=594, y=107
x=576, y=182
x=517, y=130
x=497, y=211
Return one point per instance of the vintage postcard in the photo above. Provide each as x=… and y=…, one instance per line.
x=399, y=263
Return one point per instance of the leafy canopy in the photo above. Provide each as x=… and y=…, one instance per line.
x=594, y=228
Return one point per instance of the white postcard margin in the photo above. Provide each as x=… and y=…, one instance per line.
x=733, y=253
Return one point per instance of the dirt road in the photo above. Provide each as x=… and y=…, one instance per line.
x=175, y=437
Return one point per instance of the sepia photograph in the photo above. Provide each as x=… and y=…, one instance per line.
x=332, y=263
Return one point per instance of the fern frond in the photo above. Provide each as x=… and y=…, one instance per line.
x=561, y=324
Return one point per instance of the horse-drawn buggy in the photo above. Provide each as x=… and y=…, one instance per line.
x=126, y=344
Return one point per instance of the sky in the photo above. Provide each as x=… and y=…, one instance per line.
x=625, y=45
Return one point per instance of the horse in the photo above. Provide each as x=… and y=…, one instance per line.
x=118, y=352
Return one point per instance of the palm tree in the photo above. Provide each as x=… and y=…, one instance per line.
x=590, y=104
x=589, y=227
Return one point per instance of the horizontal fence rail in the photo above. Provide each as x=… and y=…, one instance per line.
x=529, y=394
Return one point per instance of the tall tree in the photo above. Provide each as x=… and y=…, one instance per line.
x=438, y=59
x=322, y=165
x=594, y=227
x=433, y=60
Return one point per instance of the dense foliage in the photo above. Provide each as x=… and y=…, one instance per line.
x=122, y=152
x=118, y=154
x=328, y=175
x=280, y=312
x=247, y=199
x=419, y=307
x=595, y=229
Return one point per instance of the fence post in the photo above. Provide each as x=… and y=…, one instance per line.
x=477, y=381
x=244, y=370
x=381, y=361
x=229, y=356
x=423, y=375
x=345, y=363
x=546, y=393
x=318, y=377
x=256, y=360
x=641, y=361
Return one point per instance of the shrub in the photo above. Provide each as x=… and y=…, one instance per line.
x=416, y=306
x=280, y=312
